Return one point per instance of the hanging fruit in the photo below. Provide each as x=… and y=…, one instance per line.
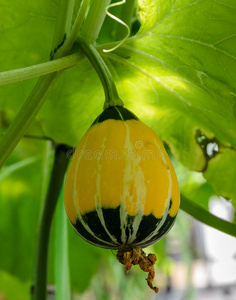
x=121, y=190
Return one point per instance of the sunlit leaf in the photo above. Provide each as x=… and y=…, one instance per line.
x=148, y=11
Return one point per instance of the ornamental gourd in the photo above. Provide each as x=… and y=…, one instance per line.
x=121, y=190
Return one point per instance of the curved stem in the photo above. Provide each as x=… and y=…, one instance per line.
x=206, y=217
x=55, y=184
x=111, y=94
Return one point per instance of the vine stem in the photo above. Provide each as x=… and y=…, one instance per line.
x=63, y=25
x=74, y=31
x=40, y=69
x=111, y=94
x=55, y=184
x=94, y=20
x=202, y=215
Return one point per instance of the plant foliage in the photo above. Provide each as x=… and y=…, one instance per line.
x=177, y=74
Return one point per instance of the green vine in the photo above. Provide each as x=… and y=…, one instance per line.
x=56, y=65
x=63, y=25
x=77, y=26
x=111, y=94
x=94, y=20
x=55, y=184
x=202, y=215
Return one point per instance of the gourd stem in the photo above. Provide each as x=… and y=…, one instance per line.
x=55, y=184
x=111, y=94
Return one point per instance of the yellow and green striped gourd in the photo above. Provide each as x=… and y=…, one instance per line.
x=121, y=189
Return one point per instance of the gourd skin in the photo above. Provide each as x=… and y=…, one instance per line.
x=121, y=188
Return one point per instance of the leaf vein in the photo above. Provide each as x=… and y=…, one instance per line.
x=225, y=39
x=195, y=42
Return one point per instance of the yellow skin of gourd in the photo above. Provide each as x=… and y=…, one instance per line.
x=121, y=163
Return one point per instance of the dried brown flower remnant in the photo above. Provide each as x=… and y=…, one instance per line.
x=136, y=256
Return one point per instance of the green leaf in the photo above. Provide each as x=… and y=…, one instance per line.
x=221, y=175
x=8, y=170
x=148, y=11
